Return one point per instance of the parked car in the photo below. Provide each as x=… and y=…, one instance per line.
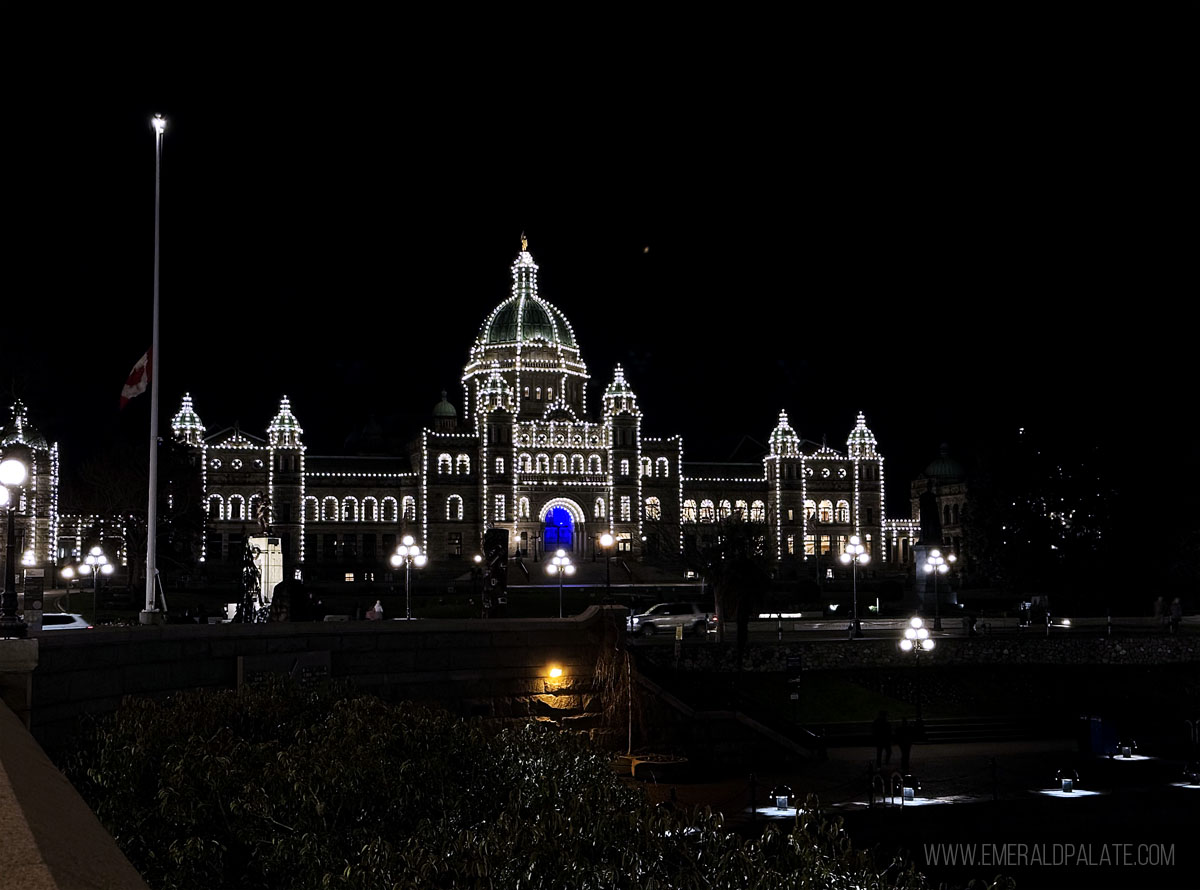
x=63, y=621
x=665, y=617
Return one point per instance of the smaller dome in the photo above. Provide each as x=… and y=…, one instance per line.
x=444, y=408
x=285, y=429
x=862, y=441
x=784, y=441
x=619, y=396
x=945, y=468
x=20, y=431
x=186, y=424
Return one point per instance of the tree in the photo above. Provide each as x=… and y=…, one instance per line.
x=736, y=565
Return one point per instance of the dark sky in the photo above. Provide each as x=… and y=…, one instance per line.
x=954, y=254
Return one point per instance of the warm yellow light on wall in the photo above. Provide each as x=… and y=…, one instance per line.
x=555, y=672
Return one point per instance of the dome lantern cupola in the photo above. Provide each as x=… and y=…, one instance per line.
x=186, y=424
x=284, y=431
x=862, y=441
x=784, y=441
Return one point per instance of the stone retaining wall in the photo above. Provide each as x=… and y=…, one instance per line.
x=495, y=669
x=1148, y=649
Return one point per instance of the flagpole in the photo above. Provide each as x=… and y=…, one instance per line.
x=150, y=614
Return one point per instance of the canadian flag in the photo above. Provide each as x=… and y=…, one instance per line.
x=139, y=379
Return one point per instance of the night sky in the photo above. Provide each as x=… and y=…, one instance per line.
x=954, y=258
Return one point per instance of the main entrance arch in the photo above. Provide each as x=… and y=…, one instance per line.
x=562, y=519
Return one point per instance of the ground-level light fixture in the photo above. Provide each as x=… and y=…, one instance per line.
x=1067, y=779
x=782, y=795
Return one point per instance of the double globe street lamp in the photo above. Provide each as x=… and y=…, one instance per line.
x=408, y=554
x=560, y=563
x=855, y=555
x=12, y=477
x=917, y=640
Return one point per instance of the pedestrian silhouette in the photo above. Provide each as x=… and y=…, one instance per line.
x=881, y=733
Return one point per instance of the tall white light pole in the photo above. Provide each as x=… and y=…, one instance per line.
x=855, y=555
x=148, y=614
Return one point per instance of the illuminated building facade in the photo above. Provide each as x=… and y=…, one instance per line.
x=525, y=455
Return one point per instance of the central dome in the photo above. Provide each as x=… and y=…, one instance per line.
x=525, y=317
x=530, y=347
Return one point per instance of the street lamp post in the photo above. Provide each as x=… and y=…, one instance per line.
x=12, y=477
x=560, y=564
x=855, y=555
x=936, y=564
x=606, y=542
x=408, y=554
x=917, y=640
x=96, y=563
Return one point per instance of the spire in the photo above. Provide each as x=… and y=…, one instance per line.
x=186, y=424
x=284, y=430
x=784, y=441
x=862, y=441
x=618, y=395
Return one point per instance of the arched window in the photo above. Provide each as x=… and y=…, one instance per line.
x=523, y=508
x=954, y=514
x=689, y=511
x=599, y=508
x=350, y=510
x=525, y=463
x=549, y=393
x=577, y=464
x=662, y=467
x=653, y=509
x=215, y=507
x=462, y=465
x=843, y=511
x=644, y=467
x=329, y=509
x=543, y=463
x=825, y=511
x=310, y=509
x=810, y=508
x=945, y=513
x=741, y=510
x=594, y=464
x=408, y=508
x=454, y=507
x=236, y=508
x=708, y=512
x=370, y=510
x=725, y=509
x=444, y=464
x=389, y=509
x=539, y=393
x=560, y=463
x=758, y=512
x=624, y=467
x=499, y=466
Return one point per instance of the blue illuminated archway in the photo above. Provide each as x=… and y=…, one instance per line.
x=559, y=530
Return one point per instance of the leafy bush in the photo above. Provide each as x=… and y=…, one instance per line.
x=273, y=787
